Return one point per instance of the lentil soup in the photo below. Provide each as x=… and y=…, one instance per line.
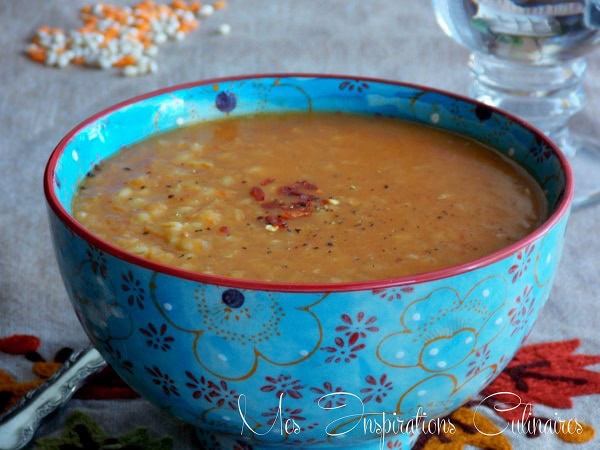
x=309, y=198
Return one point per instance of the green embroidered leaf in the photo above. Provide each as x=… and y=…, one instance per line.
x=140, y=439
x=83, y=433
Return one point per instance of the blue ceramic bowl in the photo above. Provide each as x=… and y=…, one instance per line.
x=336, y=360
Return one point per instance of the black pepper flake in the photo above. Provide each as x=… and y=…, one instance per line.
x=128, y=169
x=330, y=244
x=170, y=195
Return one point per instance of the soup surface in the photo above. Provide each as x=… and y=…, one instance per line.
x=309, y=198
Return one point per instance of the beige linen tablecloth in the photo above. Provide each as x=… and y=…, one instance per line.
x=396, y=40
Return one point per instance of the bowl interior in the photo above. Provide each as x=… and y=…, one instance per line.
x=131, y=121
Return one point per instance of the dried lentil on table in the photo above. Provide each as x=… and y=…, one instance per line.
x=120, y=36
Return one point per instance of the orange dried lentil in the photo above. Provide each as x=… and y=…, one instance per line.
x=78, y=60
x=37, y=54
x=126, y=60
x=195, y=6
x=179, y=4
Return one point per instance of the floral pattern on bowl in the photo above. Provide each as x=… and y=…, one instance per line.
x=266, y=365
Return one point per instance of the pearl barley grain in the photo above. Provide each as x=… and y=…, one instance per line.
x=224, y=29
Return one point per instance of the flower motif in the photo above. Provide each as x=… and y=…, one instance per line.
x=435, y=395
x=393, y=293
x=524, y=306
x=276, y=412
x=356, y=329
x=245, y=326
x=97, y=261
x=540, y=150
x=283, y=384
x=157, y=338
x=482, y=356
x=200, y=387
x=218, y=393
x=342, y=351
x=353, y=330
x=378, y=390
x=359, y=85
x=134, y=289
x=449, y=326
x=548, y=374
x=523, y=261
x=117, y=357
x=328, y=396
x=241, y=445
x=225, y=396
x=163, y=380
x=405, y=441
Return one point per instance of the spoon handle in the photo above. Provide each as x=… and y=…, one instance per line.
x=19, y=424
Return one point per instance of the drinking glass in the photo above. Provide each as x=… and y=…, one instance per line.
x=528, y=57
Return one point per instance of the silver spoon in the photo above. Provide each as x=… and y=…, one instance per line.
x=19, y=424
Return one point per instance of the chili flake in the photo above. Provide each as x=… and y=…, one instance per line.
x=303, y=193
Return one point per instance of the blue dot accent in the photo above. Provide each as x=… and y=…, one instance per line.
x=225, y=101
x=233, y=298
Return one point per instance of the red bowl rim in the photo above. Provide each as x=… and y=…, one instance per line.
x=562, y=208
